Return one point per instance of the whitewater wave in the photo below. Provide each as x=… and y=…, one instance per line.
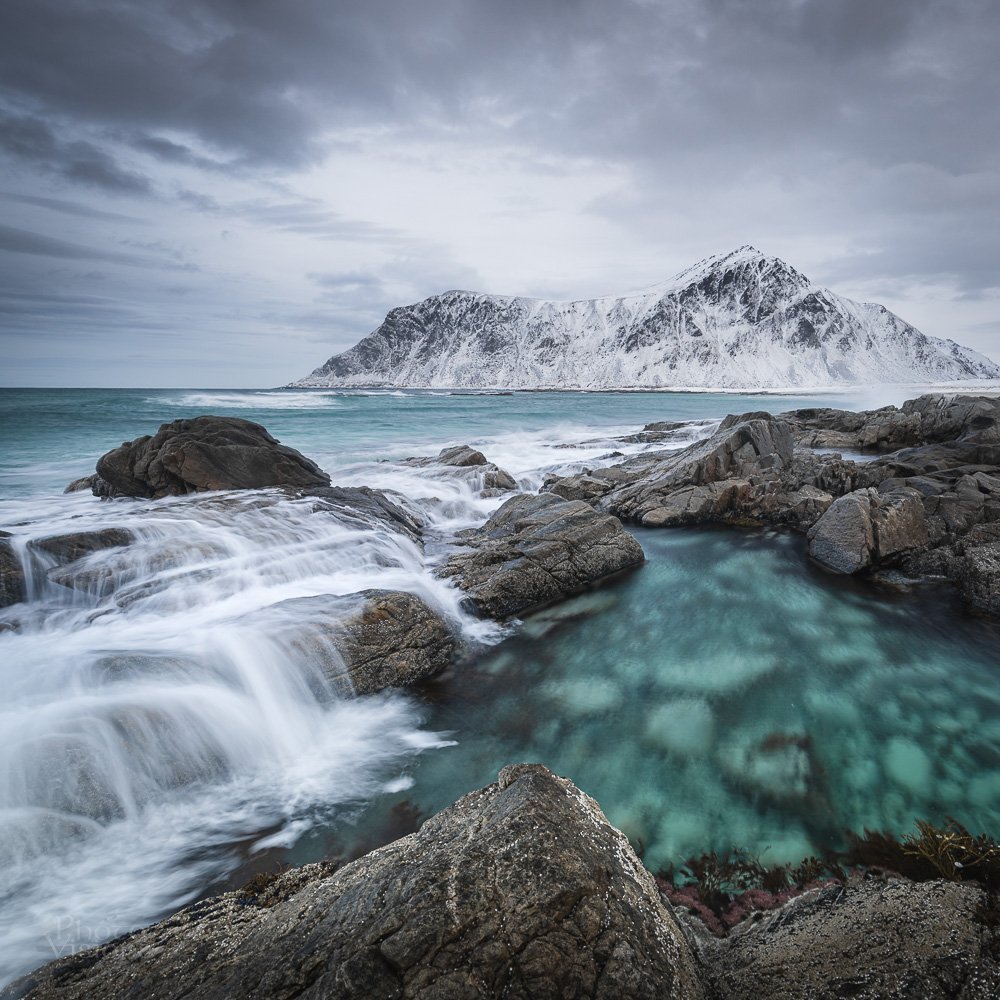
x=260, y=400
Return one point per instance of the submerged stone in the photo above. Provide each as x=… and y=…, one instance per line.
x=907, y=765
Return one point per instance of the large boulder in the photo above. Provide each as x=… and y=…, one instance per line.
x=203, y=453
x=865, y=527
x=365, y=642
x=871, y=939
x=521, y=890
x=536, y=550
x=12, y=590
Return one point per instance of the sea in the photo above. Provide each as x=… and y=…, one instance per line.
x=164, y=734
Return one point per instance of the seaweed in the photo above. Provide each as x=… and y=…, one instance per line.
x=726, y=888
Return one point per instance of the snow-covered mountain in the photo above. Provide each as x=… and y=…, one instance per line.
x=737, y=321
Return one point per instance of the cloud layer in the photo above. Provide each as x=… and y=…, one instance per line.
x=226, y=192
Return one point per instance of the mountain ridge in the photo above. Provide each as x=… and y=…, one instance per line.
x=740, y=320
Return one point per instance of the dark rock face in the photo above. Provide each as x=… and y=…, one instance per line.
x=536, y=550
x=68, y=548
x=521, y=890
x=205, y=453
x=866, y=527
x=369, y=641
x=11, y=574
x=871, y=939
x=720, y=478
x=367, y=505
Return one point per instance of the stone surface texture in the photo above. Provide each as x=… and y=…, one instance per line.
x=538, y=549
x=203, y=453
x=367, y=642
x=520, y=890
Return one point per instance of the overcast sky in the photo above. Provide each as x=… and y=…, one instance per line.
x=227, y=192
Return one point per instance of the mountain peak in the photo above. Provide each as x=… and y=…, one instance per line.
x=736, y=320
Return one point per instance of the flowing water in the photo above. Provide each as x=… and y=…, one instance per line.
x=168, y=721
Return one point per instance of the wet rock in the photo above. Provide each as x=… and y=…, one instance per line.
x=366, y=642
x=464, y=456
x=536, y=550
x=865, y=527
x=522, y=889
x=203, y=453
x=11, y=574
x=872, y=939
x=81, y=485
x=78, y=544
x=978, y=574
x=371, y=506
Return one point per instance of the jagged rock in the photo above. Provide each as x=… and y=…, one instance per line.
x=522, y=890
x=865, y=527
x=75, y=545
x=11, y=574
x=872, y=939
x=366, y=642
x=368, y=505
x=536, y=550
x=464, y=456
x=929, y=419
x=203, y=453
x=708, y=480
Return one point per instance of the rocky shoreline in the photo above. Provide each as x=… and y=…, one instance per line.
x=523, y=888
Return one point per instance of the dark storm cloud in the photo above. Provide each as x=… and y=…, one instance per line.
x=30, y=139
x=869, y=126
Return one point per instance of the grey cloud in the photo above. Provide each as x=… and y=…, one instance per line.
x=32, y=140
x=72, y=208
x=22, y=241
x=867, y=126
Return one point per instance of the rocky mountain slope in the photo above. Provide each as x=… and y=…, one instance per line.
x=737, y=321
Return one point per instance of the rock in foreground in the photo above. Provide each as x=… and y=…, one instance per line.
x=204, y=453
x=536, y=550
x=522, y=889
x=365, y=642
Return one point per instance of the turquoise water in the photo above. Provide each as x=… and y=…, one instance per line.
x=164, y=730
x=729, y=694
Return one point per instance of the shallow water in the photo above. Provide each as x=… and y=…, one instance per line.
x=728, y=694
x=164, y=731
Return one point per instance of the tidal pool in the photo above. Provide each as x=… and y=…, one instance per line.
x=728, y=694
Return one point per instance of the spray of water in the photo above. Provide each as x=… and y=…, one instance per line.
x=163, y=702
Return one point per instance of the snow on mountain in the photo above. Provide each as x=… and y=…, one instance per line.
x=736, y=321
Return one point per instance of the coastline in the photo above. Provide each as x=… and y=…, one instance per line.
x=741, y=515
